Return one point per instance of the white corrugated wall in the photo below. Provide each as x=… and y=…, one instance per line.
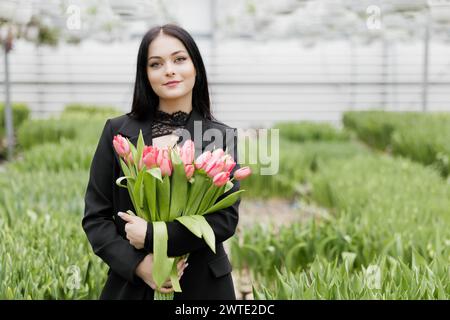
x=251, y=84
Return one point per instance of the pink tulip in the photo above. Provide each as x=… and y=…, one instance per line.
x=189, y=169
x=121, y=146
x=218, y=153
x=203, y=159
x=150, y=156
x=229, y=163
x=164, y=162
x=214, y=166
x=187, y=152
x=242, y=173
x=221, y=178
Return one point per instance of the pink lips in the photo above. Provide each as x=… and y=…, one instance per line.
x=172, y=83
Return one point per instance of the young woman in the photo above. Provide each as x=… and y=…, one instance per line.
x=170, y=97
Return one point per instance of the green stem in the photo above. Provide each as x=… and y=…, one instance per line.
x=163, y=296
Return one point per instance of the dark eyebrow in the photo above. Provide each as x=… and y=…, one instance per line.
x=173, y=53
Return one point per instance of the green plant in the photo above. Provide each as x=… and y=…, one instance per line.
x=302, y=131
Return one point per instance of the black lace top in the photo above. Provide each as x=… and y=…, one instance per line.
x=166, y=123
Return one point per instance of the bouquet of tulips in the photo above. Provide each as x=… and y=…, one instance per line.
x=167, y=184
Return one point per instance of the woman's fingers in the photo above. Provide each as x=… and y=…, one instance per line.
x=166, y=287
x=181, y=264
x=166, y=290
x=125, y=216
x=167, y=284
x=181, y=270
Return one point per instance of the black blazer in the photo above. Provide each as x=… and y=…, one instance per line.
x=208, y=275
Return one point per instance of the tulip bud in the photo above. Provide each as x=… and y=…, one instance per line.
x=214, y=167
x=150, y=156
x=203, y=159
x=218, y=153
x=187, y=152
x=121, y=146
x=242, y=173
x=164, y=162
x=189, y=169
x=229, y=163
x=221, y=179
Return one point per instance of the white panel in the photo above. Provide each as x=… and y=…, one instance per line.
x=251, y=84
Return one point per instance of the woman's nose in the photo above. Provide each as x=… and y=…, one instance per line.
x=169, y=69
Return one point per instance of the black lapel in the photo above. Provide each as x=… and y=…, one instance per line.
x=130, y=129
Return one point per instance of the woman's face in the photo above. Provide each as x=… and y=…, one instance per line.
x=168, y=60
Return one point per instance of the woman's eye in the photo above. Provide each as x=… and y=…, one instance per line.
x=156, y=63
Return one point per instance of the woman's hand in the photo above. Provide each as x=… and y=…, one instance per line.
x=135, y=228
x=145, y=268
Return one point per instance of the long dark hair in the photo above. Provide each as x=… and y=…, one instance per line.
x=145, y=100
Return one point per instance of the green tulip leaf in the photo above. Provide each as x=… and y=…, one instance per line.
x=190, y=222
x=179, y=187
x=162, y=264
x=140, y=146
x=138, y=189
x=155, y=172
x=150, y=195
x=228, y=186
x=163, y=196
x=125, y=168
x=174, y=277
x=225, y=202
x=207, y=232
x=196, y=192
x=119, y=180
x=207, y=198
